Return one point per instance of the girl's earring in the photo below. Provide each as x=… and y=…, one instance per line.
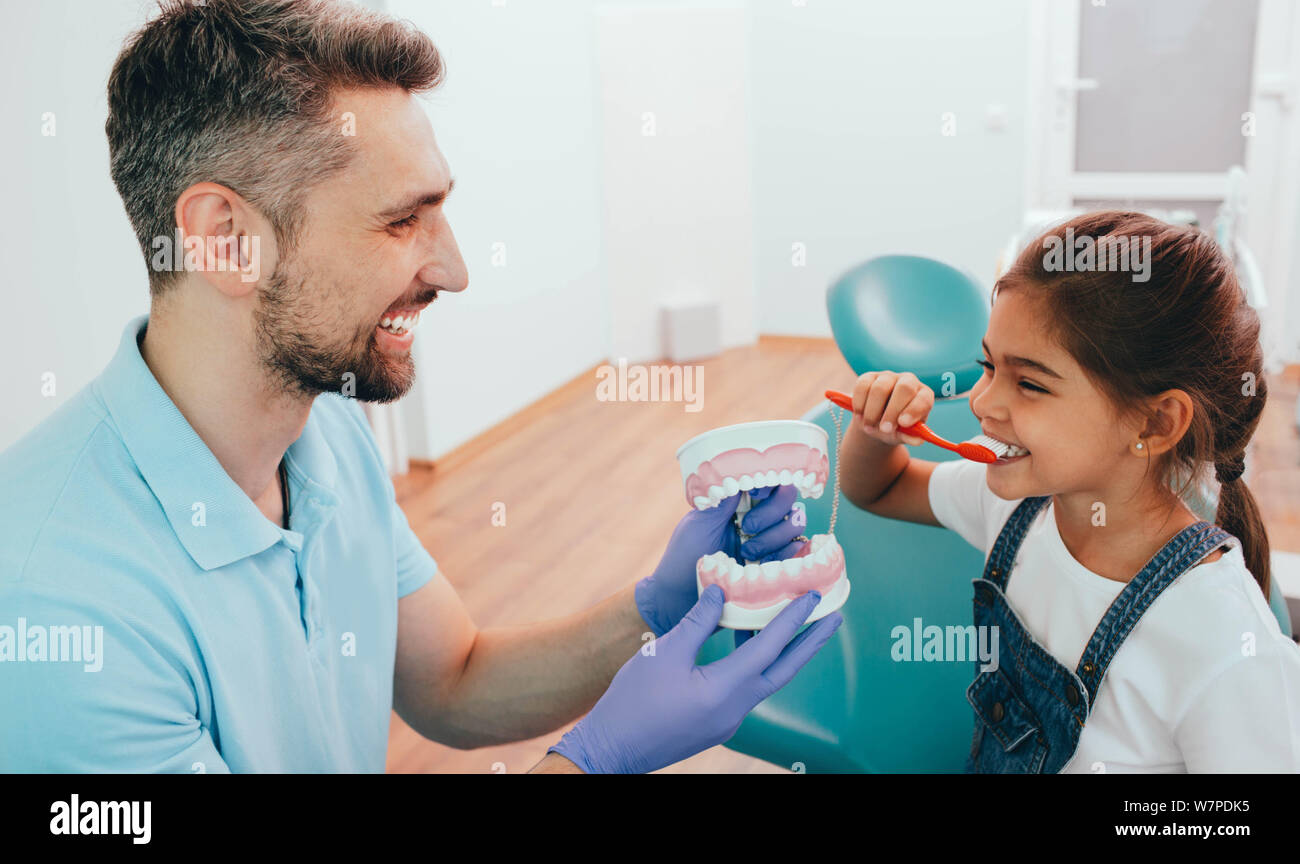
x=1139, y=445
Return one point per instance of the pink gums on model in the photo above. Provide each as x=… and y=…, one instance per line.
x=765, y=591
x=746, y=460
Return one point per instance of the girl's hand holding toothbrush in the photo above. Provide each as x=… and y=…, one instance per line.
x=884, y=401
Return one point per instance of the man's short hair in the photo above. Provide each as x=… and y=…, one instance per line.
x=239, y=92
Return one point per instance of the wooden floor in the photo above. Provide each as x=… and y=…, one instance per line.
x=591, y=493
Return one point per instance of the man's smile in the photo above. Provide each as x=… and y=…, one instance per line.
x=395, y=332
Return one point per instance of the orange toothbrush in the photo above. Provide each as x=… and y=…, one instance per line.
x=966, y=449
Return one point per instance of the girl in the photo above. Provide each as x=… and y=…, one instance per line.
x=1132, y=635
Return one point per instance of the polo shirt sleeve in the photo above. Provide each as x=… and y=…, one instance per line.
x=122, y=708
x=415, y=566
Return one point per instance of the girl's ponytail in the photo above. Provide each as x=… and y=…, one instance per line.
x=1238, y=514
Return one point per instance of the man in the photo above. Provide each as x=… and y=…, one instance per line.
x=208, y=531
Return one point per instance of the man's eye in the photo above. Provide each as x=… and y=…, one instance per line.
x=405, y=223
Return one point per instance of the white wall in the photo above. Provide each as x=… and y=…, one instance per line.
x=73, y=274
x=849, y=158
x=515, y=119
x=678, y=216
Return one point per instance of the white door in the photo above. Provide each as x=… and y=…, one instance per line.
x=1159, y=105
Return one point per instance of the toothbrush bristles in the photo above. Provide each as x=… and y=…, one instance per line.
x=997, y=448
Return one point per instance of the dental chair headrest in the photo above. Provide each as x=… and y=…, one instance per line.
x=911, y=314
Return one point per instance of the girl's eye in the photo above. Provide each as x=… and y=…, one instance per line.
x=988, y=367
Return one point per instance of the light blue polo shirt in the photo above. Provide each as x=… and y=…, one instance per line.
x=225, y=643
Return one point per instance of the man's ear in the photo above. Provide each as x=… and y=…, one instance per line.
x=225, y=241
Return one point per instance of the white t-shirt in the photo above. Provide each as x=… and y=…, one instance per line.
x=1184, y=692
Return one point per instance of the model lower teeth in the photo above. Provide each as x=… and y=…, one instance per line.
x=1013, y=452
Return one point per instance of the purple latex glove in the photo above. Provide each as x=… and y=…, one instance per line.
x=664, y=596
x=661, y=708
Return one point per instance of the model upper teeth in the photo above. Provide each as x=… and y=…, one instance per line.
x=805, y=483
x=1014, y=450
x=400, y=323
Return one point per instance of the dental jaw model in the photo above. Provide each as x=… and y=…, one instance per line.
x=735, y=460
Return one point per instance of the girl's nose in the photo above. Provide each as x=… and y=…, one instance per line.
x=982, y=403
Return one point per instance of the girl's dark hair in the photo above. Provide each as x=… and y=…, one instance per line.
x=1186, y=326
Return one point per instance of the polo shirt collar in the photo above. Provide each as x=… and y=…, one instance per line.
x=184, y=474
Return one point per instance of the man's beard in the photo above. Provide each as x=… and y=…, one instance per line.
x=301, y=364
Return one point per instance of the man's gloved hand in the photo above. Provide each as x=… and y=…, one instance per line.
x=661, y=708
x=664, y=596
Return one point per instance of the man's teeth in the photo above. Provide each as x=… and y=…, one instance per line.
x=398, y=324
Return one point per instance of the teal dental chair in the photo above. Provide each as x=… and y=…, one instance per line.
x=853, y=708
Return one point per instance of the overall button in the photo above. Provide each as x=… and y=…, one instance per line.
x=1071, y=694
x=998, y=712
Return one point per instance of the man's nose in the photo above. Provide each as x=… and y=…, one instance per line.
x=445, y=269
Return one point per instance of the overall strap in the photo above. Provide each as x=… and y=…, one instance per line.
x=1003, y=554
x=1187, y=548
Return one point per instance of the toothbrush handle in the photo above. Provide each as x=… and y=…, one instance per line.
x=920, y=430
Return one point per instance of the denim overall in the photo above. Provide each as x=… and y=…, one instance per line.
x=1030, y=710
